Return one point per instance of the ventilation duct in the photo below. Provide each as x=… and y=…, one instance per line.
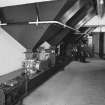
x=90, y=14
x=73, y=10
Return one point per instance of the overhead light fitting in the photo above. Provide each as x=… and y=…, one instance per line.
x=101, y=2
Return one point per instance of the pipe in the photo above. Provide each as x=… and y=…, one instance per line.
x=52, y=22
x=3, y=24
x=48, y=22
x=57, y=22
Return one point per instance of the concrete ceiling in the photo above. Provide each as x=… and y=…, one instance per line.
x=99, y=29
x=98, y=22
x=5, y=3
x=99, y=19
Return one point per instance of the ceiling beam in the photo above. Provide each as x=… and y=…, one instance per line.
x=100, y=8
x=2, y=18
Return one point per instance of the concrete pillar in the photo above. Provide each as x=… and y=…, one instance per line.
x=95, y=43
x=101, y=44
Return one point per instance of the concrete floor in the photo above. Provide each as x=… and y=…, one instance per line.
x=78, y=84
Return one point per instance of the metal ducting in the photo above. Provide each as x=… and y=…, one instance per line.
x=89, y=15
x=70, y=12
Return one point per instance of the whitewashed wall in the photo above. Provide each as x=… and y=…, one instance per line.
x=11, y=53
